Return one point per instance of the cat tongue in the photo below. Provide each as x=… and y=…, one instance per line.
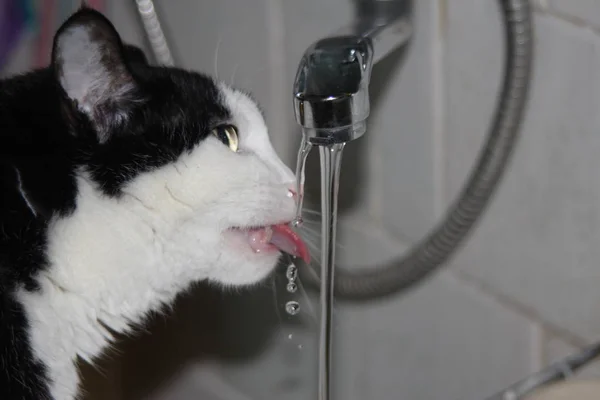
x=288, y=241
x=281, y=236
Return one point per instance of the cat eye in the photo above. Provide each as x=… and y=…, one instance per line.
x=228, y=135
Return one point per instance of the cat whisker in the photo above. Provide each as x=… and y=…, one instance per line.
x=278, y=63
x=312, y=271
x=96, y=367
x=309, y=234
x=316, y=228
x=309, y=306
x=233, y=75
x=310, y=219
x=313, y=243
x=311, y=211
x=314, y=248
x=216, y=61
x=252, y=76
x=310, y=243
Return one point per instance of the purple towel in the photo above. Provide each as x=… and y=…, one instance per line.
x=13, y=18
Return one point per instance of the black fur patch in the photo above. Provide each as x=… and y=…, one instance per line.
x=179, y=110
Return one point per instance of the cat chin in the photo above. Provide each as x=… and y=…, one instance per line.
x=240, y=265
x=247, y=272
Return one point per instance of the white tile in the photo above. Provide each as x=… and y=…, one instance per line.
x=539, y=4
x=445, y=341
x=585, y=11
x=401, y=127
x=222, y=38
x=124, y=17
x=538, y=242
x=200, y=381
x=473, y=67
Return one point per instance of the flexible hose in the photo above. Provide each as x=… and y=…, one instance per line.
x=436, y=248
x=558, y=371
x=154, y=32
x=440, y=244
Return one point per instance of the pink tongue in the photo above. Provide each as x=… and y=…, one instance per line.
x=283, y=237
x=289, y=242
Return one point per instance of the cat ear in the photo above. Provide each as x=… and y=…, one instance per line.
x=89, y=61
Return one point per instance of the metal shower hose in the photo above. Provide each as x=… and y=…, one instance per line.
x=440, y=244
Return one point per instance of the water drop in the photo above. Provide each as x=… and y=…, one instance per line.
x=292, y=287
x=298, y=221
x=299, y=347
x=292, y=307
x=290, y=336
x=292, y=273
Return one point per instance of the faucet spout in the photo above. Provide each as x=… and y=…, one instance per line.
x=331, y=89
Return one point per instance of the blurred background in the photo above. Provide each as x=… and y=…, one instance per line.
x=524, y=290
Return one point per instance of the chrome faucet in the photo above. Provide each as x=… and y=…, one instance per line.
x=331, y=89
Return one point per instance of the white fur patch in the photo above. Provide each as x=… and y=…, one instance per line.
x=113, y=260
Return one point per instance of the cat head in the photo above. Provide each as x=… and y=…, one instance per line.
x=177, y=177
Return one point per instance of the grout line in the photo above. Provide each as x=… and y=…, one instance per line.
x=438, y=106
x=376, y=201
x=545, y=337
x=538, y=352
x=277, y=67
x=578, y=22
x=373, y=156
x=514, y=305
x=539, y=4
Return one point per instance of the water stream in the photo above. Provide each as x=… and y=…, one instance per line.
x=305, y=147
x=331, y=158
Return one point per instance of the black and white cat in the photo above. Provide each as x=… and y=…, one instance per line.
x=121, y=184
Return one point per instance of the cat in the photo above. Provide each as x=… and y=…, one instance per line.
x=122, y=183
